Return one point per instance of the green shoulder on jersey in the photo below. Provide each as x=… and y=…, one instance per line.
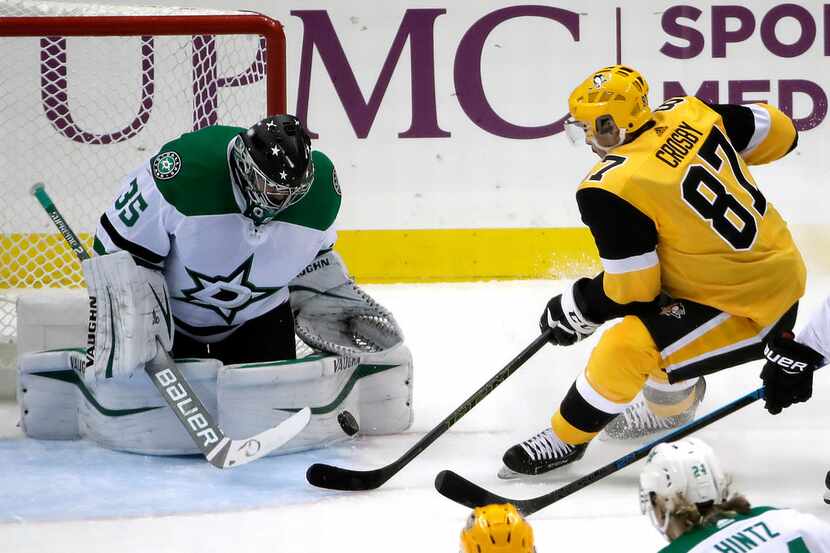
x=690, y=540
x=192, y=174
x=320, y=205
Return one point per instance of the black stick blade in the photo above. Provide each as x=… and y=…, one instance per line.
x=336, y=478
x=461, y=490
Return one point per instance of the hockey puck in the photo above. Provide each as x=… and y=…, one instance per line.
x=348, y=423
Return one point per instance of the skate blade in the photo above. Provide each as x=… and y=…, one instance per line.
x=508, y=474
x=634, y=440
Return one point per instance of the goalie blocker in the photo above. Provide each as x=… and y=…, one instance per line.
x=366, y=386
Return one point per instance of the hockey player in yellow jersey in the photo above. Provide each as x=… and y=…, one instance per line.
x=698, y=265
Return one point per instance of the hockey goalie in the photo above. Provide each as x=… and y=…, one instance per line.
x=218, y=249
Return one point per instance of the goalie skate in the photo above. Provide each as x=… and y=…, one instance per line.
x=827, y=488
x=638, y=421
x=540, y=454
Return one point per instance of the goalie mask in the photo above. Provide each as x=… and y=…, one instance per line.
x=272, y=165
x=680, y=474
x=497, y=528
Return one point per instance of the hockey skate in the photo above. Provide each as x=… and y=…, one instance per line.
x=827, y=488
x=538, y=455
x=638, y=421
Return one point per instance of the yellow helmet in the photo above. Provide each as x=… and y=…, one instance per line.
x=497, y=529
x=616, y=90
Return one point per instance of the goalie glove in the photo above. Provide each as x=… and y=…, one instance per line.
x=563, y=316
x=333, y=314
x=788, y=373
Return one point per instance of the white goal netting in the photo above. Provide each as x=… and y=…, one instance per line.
x=79, y=112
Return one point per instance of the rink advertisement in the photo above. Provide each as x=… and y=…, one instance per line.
x=464, y=130
x=445, y=120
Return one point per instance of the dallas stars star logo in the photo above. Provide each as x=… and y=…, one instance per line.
x=226, y=295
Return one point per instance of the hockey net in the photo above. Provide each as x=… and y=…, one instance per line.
x=89, y=92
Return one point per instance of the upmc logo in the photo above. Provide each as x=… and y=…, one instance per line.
x=206, y=82
x=416, y=28
x=677, y=33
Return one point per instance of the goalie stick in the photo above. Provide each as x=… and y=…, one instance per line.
x=337, y=478
x=459, y=489
x=219, y=450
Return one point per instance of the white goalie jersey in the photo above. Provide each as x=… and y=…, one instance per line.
x=180, y=213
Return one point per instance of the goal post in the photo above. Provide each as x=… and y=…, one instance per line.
x=167, y=25
x=91, y=91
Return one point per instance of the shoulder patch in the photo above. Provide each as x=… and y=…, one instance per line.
x=193, y=174
x=166, y=165
x=334, y=182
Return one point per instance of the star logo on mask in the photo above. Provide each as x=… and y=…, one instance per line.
x=270, y=125
x=226, y=295
x=276, y=150
x=283, y=175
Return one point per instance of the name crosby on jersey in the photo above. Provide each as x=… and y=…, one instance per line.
x=678, y=144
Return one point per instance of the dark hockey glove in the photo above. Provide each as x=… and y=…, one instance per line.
x=788, y=373
x=564, y=318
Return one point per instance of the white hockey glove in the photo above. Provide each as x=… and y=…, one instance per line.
x=332, y=314
x=129, y=307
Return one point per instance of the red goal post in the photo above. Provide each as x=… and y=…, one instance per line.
x=90, y=92
x=167, y=25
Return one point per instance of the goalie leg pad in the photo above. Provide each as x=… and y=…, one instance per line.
x=386, y=396
x=370, y=393
x=121, y=414
x=130, y=415
x=48, y=395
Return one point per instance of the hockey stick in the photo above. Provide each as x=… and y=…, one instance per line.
x=219, y=450
x=337, y=478
x=461, y=490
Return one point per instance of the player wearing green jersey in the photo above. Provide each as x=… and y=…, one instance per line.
x=687, y=495
x=219, y=248
x=229, y=216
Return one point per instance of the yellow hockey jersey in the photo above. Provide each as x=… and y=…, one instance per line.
x=676, y=210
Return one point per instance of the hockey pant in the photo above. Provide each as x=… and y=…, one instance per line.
x=683, y=339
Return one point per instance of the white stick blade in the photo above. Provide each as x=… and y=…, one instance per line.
x=251, y=449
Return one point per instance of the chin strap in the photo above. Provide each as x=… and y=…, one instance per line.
x=607, y=149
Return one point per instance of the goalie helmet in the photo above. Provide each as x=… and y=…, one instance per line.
x=616, y=94
x=497, y=528
x=685, y=472
x=273, y=166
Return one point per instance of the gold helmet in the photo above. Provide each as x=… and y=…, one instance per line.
x=616, y=91
x=497, y=529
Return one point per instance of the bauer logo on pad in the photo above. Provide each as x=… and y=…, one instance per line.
x=166, y=165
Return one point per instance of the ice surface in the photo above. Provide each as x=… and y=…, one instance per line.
x=72, y=496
